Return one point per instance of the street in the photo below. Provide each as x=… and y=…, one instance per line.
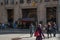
x=25, y=37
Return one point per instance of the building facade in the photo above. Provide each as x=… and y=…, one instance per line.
x=40, y=10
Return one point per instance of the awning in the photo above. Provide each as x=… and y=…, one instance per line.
x=27, y=19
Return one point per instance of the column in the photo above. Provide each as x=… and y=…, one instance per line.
x=20, y=12
x=16, y=12
x=3, y=14
x=58, y=15
x=41, y=12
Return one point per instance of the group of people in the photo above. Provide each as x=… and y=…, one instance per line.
x=3, y=26
x=50, y=28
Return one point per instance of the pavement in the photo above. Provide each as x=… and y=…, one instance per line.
x=25, y=37
x=18, y=34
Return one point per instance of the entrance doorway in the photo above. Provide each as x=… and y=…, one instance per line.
x=10, y=13
x=29, y=13
x=51, y=14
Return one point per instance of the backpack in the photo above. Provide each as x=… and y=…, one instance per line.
x=36, y=34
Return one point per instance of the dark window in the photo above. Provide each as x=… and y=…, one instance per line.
x=28, y=1
x=1, y=3
x=16, y=2
x=12, y=1
x=35, y=1
x=47, y=0
x=55, y=0
x=21, y=1
x=6, y=1
x=41, y=1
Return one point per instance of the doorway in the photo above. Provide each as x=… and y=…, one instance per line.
x=10, y=14
x=29, y=13
x=51, y=14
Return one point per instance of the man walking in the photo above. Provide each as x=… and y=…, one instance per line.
x=54, y=29
x=31, y=29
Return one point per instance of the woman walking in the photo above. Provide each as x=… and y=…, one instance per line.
x=49, y=29
x=54, y=29
x=39, y=33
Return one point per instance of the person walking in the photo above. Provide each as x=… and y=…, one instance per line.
x=31, y=29
x=40, y=34
x=14, y=25
x=54, y=27
x=42, y=27
x=49, y=29
x=0, y=25
x=3, y=26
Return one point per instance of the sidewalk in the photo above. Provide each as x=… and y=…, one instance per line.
x=33, y=38
x=22, y=36
x=18, y=33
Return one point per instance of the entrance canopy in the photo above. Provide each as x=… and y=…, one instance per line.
x=27, y=19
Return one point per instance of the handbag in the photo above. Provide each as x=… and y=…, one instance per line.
x=36, y=34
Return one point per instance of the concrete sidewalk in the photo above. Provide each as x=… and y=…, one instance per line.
x=10, y=36
x=22, y=36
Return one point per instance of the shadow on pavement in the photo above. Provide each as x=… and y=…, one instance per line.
x=16, y=38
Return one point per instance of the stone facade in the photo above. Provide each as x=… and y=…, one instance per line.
x=17, y=7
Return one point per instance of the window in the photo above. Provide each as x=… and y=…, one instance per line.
x=36, y=1
x=21, y=1
x=41, y=1
x=47, y=0
x=1, y=3
x=28, y=1
x=12, y=1
x=55, y=0
x=6, y=1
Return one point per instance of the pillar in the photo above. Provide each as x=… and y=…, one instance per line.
x=58, y=15
x=41, y=13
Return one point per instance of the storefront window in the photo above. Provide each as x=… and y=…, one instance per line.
x=12, y=1
x=21, y=1
x=0, y=1
x=47, y=0
x=28, y=1
x=36, y=1
x=55, y=0
x=6, y=1
x=51, y=14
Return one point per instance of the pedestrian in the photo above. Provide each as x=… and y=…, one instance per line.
x=42, y=27
x=39, y=30
x=31, y=29
x=14, y=25
x=54, y=27
x=3, y=25
x=0, y=25
x=49, y=29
